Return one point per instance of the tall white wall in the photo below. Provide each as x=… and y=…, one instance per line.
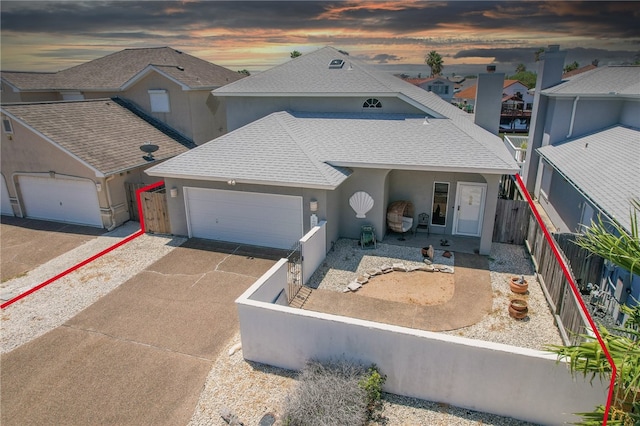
x=520, y=383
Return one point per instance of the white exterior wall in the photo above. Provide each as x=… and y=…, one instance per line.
x=521, y=383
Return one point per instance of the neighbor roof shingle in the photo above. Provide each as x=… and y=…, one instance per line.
x=102, y=133
x=113, y=71
x=581, y=160
x=609, y=80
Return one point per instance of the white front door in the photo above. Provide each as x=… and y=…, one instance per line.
x=469, y=212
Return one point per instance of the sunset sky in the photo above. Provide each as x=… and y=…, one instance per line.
x=53, y=35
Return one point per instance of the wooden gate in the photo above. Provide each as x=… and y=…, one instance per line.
x=512, y=221
x=154, y=208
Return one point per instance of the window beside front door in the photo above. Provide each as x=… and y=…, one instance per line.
x=440, y=203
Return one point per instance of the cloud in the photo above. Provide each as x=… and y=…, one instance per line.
x=378, y=31
x=382, y=58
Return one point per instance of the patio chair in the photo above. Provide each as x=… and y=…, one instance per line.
x=367, y=237
x=423, y=223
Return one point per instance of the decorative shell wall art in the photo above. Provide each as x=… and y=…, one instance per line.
x=361, y=203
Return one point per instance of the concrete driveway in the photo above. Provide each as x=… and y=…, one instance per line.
x=28, y=243
x=141, y=354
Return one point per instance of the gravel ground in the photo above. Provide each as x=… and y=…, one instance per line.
x=250, y=390
x=53, y=305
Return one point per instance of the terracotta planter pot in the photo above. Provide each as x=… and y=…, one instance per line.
x=519, y=305
x=517, y=287
x=518, y=314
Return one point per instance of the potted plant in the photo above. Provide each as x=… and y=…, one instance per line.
x=519, y=285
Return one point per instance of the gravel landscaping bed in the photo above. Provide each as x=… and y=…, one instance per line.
x=251, y=390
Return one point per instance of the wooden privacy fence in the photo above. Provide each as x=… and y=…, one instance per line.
x=154, y=208
x=563, y=303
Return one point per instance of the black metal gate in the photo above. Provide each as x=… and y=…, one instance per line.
x=294, y=271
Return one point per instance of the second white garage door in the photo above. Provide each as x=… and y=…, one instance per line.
x=60, y=200
x=267, y=220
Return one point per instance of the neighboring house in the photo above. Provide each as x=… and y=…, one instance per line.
x=167, y=84
x=69, y=161
x=307, y=135
x=517, y=104
x=583, y=155
x=439, y=85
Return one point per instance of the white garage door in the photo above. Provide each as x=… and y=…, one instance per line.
x=61, y=200
x=244, y=217
x=5, y=202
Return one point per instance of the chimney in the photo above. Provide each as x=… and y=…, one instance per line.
x=550, y=67
x=489, y=99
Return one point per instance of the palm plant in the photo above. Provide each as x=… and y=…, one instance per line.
x=623, y=249
x=616, y=245
x=435, y=62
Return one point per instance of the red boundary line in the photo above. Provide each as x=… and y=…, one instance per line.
x=92, y=258
x=574, y=288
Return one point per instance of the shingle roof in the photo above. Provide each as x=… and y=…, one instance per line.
x=313, y=150
x=113, y=71
x=102, y=133
x=578, y=71
x=604, y=166
x=310, y=75
x=608, y=80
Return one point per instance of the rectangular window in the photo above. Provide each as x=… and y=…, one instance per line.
x=159, y=100
x=6, y=125
x=440, y=203
x=72, y=96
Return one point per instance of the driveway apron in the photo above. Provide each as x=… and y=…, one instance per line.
x=141, y=354
x=27, y=243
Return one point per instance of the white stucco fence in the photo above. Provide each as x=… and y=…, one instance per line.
x=509, y=381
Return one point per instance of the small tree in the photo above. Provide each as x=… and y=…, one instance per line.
x=435, y=62
x=520, y=68
x=295, y=54
x=244, y=72
x=572, y=66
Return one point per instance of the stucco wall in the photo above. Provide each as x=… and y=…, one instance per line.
x=373, y=182
x=630, y=115
x=244, y=110
x=566, y=201
x=177, y=212
x=509, y=381
x=179, y=116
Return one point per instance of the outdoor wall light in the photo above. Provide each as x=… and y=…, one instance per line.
x=231, y=182
x=98, y=187
x=174, y=192
x=313, y=206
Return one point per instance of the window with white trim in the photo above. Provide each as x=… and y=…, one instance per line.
x=159, y=100
x=7, y=127
x=440, y=203
x=372, y=103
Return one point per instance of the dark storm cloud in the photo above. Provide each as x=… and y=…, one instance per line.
x=382, y=58
x=597, y=19
x=583, y=56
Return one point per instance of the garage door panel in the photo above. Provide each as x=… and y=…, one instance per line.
x=5, y=201
x=244, y=217
x=61, y=200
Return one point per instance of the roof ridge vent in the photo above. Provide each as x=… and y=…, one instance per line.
x=336, y=64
